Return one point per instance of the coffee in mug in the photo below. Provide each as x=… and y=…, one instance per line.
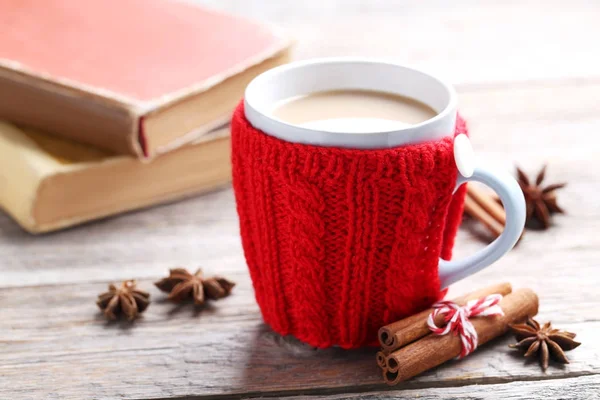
x=352, y=111
x=349, y=196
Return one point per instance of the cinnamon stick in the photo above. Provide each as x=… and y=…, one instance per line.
x=488, y=203
x=477, y=212
x=407, y=330
x=433, y=350
x=381, y=359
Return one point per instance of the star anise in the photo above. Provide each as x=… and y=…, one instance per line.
x=543, y=341
x=126, y=299
x=182, y=285
x=540, y=201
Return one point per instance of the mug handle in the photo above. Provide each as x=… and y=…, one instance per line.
x=514, y=203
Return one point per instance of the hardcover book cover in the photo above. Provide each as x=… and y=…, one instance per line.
x=50, y=183
x=136, y=77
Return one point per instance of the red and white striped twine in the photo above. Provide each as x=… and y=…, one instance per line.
x=457, y=319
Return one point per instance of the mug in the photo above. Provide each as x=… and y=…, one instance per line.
x=346, y=232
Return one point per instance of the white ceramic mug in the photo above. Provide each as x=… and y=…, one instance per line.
x=305, y=77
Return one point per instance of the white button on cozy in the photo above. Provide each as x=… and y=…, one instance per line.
x=464, y=156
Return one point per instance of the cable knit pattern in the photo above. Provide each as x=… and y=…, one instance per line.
x=305, y=223
x=340, y=242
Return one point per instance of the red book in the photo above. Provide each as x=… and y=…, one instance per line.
x=134, y=76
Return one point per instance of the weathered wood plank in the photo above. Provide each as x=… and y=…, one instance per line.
x=587, y=387
x=55, y=331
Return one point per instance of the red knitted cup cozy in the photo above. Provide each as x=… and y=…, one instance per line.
x=340, y=242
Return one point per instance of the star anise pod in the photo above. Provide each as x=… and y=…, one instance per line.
x=182, y=285
x=543, y=341
x=540, y=201
x=126, y=299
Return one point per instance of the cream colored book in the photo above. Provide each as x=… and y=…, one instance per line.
x=48, y=183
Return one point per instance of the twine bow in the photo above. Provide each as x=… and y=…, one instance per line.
x=457, y=319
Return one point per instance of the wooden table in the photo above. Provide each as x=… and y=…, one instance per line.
x=529, y=83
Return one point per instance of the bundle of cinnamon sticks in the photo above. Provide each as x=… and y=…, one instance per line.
x=483, y=207
x=409, y=348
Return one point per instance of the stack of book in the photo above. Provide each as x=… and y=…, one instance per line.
x=108, y=106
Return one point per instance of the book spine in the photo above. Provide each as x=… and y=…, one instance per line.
x=21, y=175
x=69, y=113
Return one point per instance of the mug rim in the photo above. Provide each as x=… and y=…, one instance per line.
x=257, y=111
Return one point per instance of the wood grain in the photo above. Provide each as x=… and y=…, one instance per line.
x=528, y=83
x=223, y=350
x=586, y=387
